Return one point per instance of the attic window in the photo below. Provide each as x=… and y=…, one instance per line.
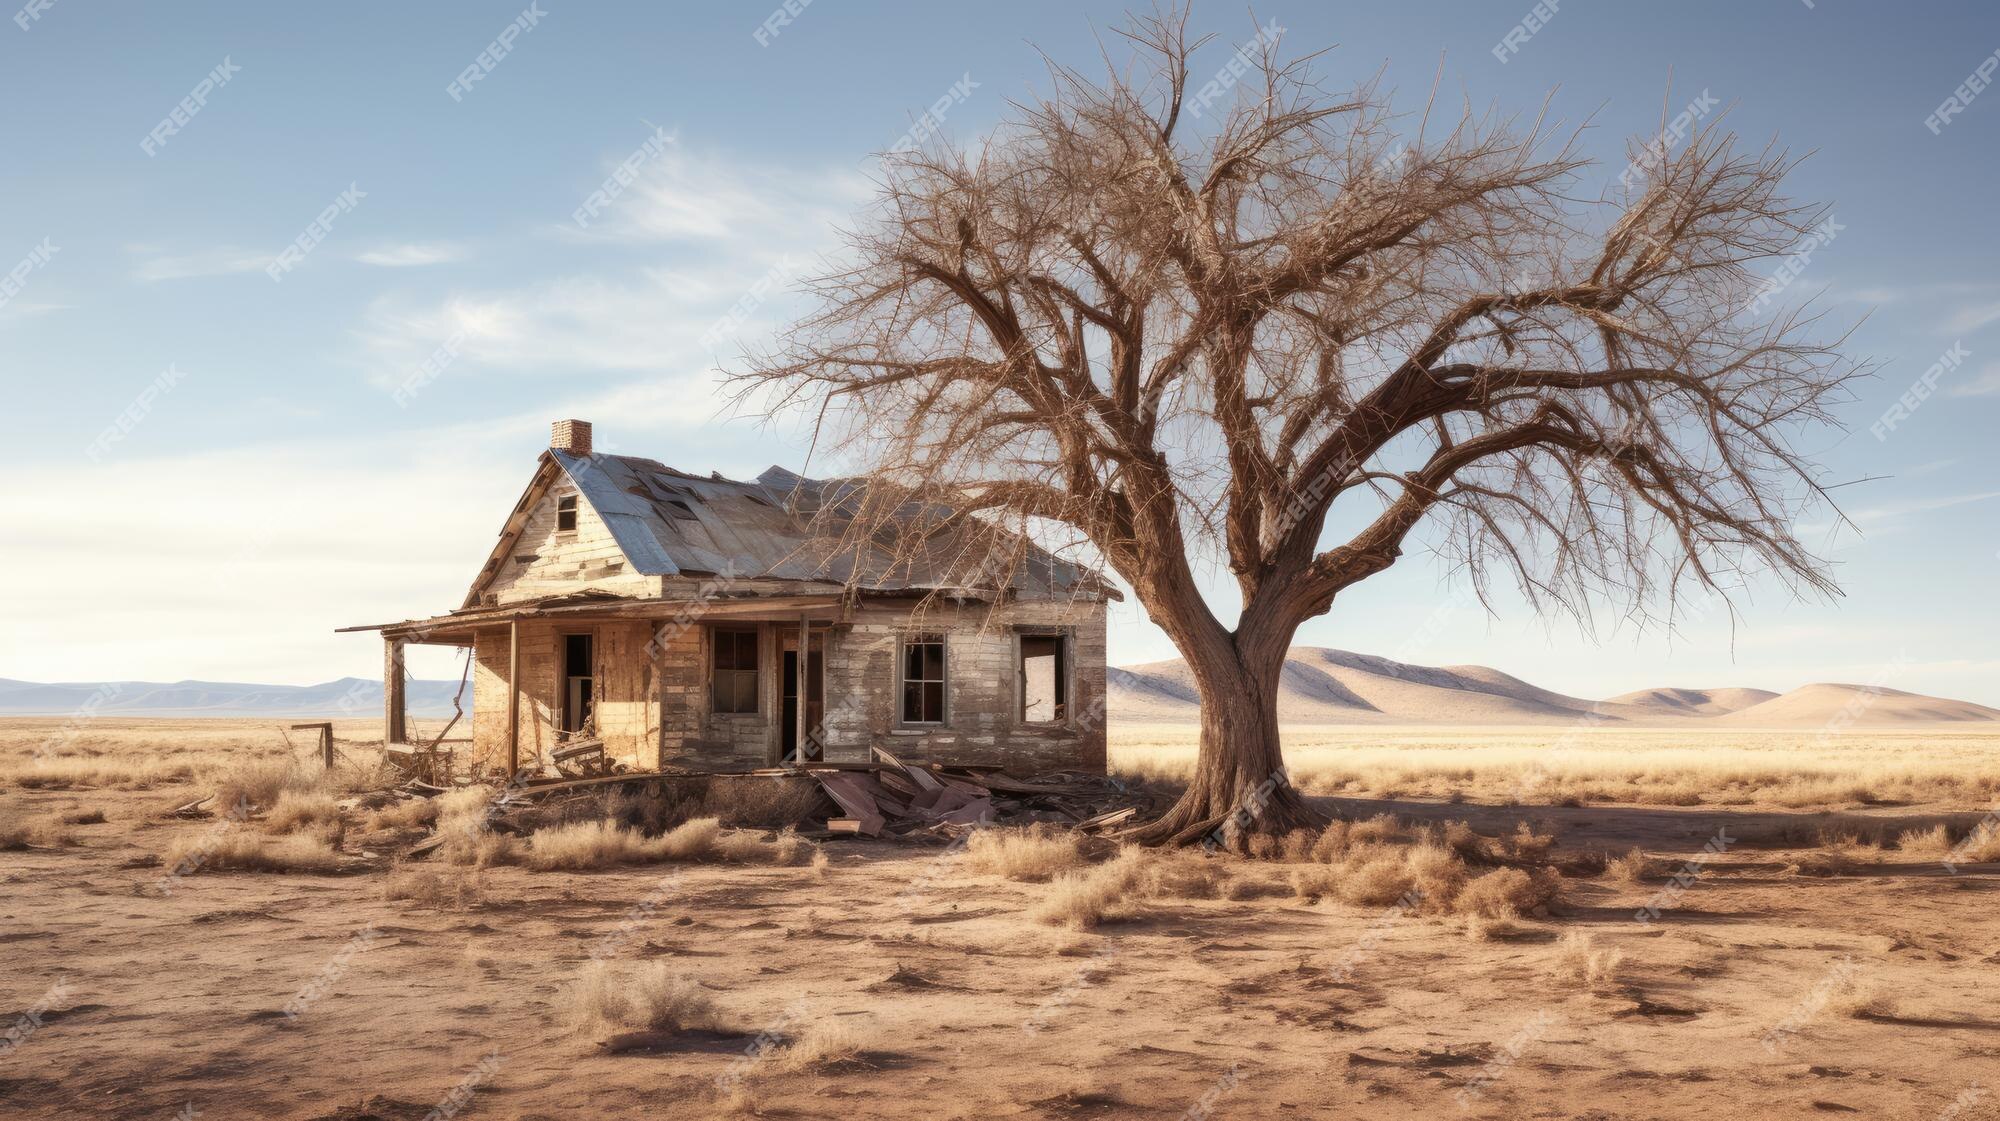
x=566, y=514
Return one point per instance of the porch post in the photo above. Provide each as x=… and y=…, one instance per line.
x=393, y=706
x=513, y=698
x=799, y=685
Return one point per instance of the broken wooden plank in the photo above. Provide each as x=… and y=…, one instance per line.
x=924, y=779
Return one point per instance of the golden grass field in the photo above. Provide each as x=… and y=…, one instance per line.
x=1670, y=767
x=1499, y=923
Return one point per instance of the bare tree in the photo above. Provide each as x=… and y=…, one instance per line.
x=1181, y=340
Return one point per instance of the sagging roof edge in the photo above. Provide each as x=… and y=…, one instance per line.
x=635, y=608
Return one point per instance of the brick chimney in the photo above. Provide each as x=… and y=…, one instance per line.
x=572, y=436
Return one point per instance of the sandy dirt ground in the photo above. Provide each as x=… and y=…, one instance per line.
x=1758, y=991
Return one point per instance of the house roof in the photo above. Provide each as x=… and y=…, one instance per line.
x=669, y=522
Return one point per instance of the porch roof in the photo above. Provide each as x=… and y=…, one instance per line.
x=456, y=628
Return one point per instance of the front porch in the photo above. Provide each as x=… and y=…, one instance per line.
x=710, y=683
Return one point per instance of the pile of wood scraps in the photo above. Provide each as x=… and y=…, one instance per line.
x=897, y=798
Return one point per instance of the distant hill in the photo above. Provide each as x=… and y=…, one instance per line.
x=349, y=696
x=1322, y=686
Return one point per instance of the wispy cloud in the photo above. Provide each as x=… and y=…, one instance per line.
x=412, y=254
x=683, y=196
x=1974, y=317
x=221, y=260
x=1986, y=383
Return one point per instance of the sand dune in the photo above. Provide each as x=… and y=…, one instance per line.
x=1323, y=686
x=1694, y=702
x=1860, y=706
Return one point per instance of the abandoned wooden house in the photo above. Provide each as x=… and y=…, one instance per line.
x=666, y=614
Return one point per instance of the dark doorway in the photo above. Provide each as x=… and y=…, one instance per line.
x=579, y=701
x=815, y=708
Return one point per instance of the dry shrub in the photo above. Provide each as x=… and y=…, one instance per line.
x=1381, y=827
x=829, y=1042
x=1506, y=891
x=690, y=840
x=1332, y=841
x=476, y=848
x=1458, y=836
x=258, y=782
x=1373, y=877
x=237, y=851
x=417, y=813
x=1297, y=846
x=83, y=817
x=1493, y=928
x=1578, y=959
x=1631, y=868
x=446, y=892
x=1030, y=855
x=1980, y=846
x=300, y=810
x=1082, y=900
x=1528, y=846
x=652, y=998
x=35, y=834
x=583, y=845
x=1376, y=875
x=820, y=861
x=464, y=803
x=1855, y=996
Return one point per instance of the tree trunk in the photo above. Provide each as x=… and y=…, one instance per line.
x=1240, y=786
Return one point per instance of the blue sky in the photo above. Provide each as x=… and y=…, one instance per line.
x=267, y=482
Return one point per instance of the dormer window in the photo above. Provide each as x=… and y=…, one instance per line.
x=566, y=514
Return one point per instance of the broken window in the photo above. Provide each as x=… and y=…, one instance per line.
x=566, y=514
x=1044, y=673
x=733, y=671
x=923, y=679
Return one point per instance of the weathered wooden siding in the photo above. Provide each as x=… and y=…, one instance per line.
x=546, y=561
x=624, y=677
x=981, y=726
x=654, y=700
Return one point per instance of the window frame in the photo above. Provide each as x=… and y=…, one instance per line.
x=903, y=680
x=1065, y=684
x=566, y=506
x=715, y=672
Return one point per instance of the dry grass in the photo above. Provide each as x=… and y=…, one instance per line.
x=259, y=782
x=83, y=817
x=46, y=833
x=1031, y=855
x=827, y=1043
x=1082, y=900
x=1981, y=846
x=1506, y=892
x=651, y=998
x=417, y=813
x=135, y=772
x=1632, y=868
x=1579, y=960
x=301, y=810
x=584, y=845
x=1492, y=928
x=447, y=891
x=239, y=851
x=1556, y=766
